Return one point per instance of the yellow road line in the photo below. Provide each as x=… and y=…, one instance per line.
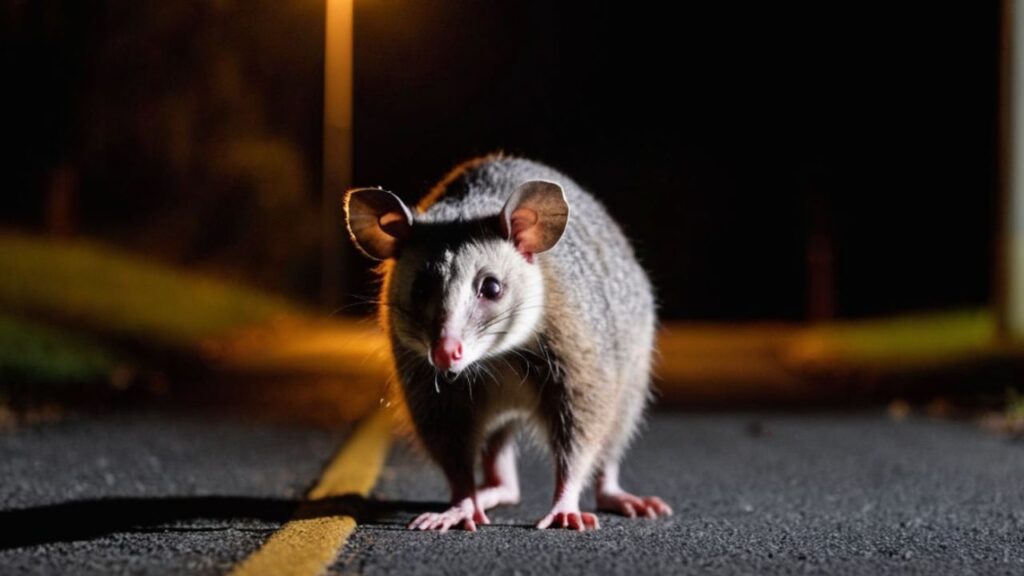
x=307, y=546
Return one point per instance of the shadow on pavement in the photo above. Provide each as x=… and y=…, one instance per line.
x=89, y=519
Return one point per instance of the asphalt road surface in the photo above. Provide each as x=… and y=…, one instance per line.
x=815, y=493
x=769, y=494
x=149, y=493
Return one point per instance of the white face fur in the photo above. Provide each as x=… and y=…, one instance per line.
x=483, y=293
x=461, y=291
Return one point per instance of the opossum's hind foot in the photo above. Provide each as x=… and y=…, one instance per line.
x=465, y=513
x=631, y=506
x=571, y=519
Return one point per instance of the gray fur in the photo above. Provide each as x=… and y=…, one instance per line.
x=582, y=377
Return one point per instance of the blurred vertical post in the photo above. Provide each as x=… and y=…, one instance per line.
x=60, y=201
x=337, y=169
x=1010, y=257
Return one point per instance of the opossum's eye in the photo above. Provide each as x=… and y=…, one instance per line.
x=490, y=288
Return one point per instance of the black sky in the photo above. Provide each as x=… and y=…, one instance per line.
x=720, y=135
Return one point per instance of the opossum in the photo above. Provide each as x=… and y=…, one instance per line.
x=511, y=297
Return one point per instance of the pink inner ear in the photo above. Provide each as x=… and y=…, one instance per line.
x=393, y=223
x=524, y=231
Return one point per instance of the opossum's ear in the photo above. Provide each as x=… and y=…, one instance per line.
x=377, y=221
x=535, y=216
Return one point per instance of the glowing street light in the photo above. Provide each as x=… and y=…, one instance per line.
x=337, y=143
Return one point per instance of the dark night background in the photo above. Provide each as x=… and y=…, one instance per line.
x=727, y=139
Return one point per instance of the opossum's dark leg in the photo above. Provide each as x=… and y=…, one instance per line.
x=449, y=434
x=574, y=463
x=465, y=509
x=501, y=482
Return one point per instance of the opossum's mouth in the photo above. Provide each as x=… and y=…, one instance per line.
x=453, y=357
x=451, y=361
x=452, y=370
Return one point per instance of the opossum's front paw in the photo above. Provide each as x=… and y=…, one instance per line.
x=571, y=519
x=466, y=513
x=633, y=506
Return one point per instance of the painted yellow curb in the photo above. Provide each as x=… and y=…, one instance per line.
x=307, y=546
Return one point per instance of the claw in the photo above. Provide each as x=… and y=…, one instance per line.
x=633, y=506
x=463, y=513
x=480, y=517
x=572, y=520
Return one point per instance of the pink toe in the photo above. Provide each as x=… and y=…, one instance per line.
x=420, y=523
x=480, y=517
x=659, y=505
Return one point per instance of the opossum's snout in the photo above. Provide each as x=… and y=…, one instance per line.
x=445, y=353
x=471, y=317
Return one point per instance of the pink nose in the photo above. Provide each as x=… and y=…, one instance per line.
x=447, y=351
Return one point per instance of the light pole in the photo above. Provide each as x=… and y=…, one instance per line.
x=337, y=159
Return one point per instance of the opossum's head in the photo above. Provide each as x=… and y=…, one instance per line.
x=457, y=292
